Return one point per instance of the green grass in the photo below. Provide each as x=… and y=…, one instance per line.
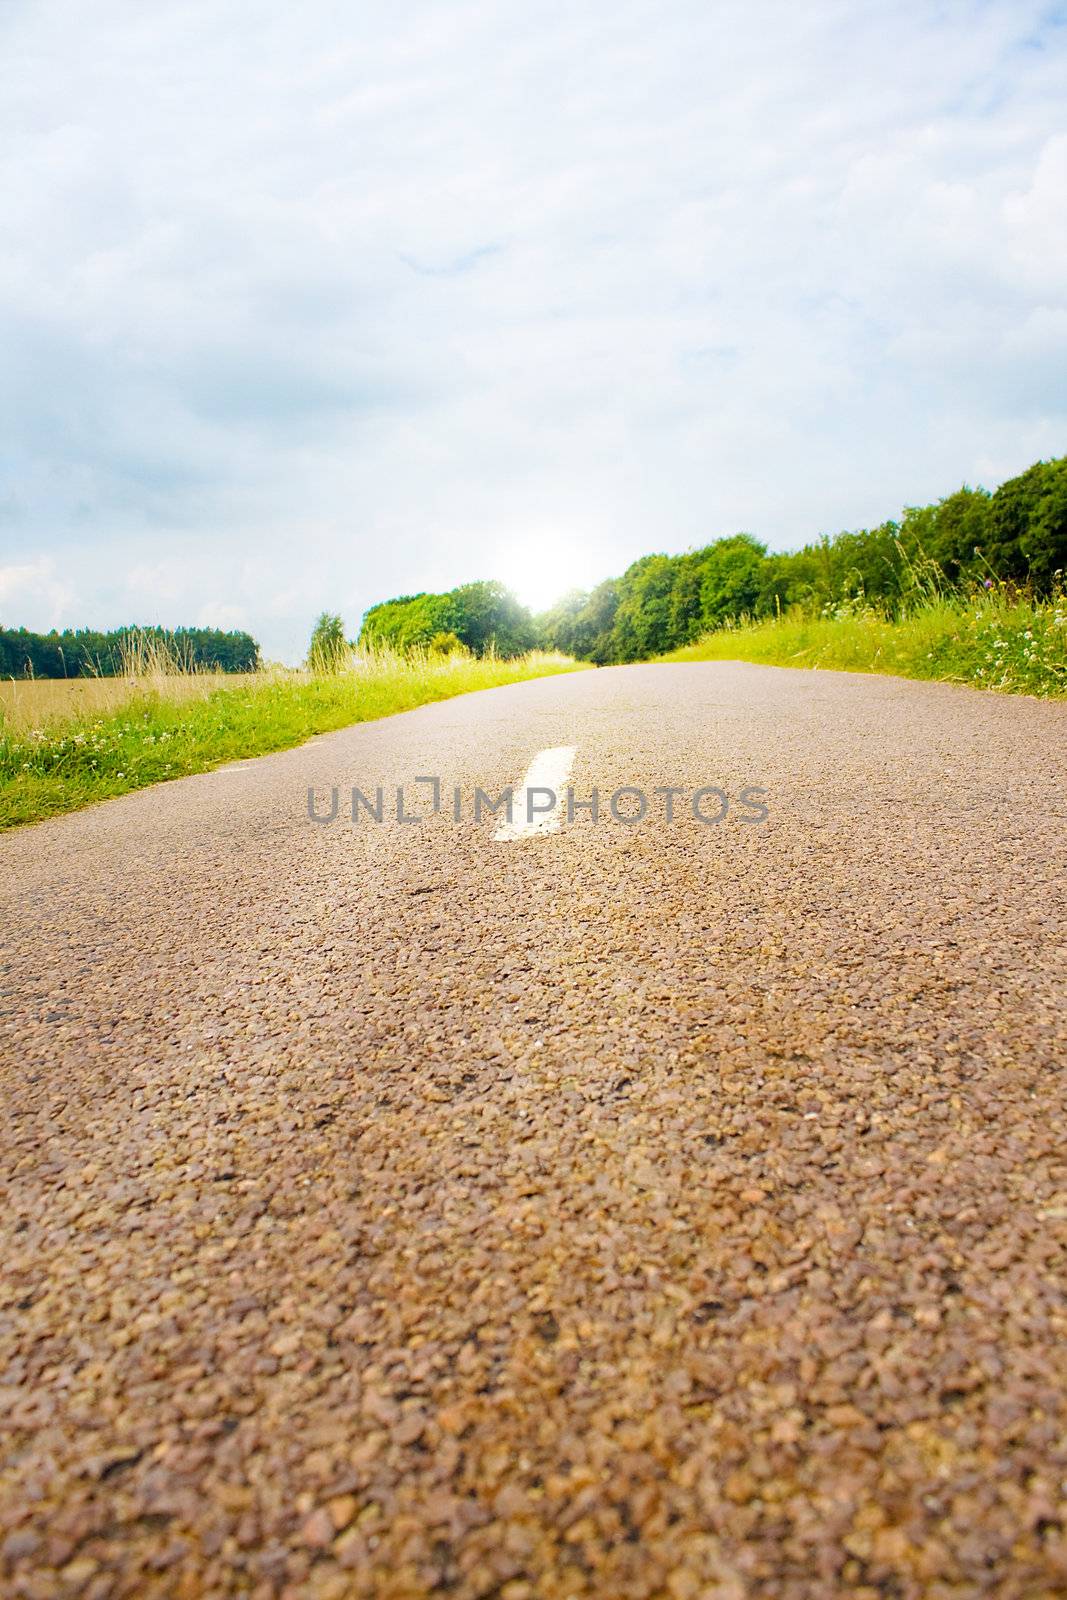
x=992, y=639
x=63, y=765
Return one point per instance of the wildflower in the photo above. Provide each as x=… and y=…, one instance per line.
x=988, y=583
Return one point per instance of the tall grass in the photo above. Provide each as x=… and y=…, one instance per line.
x=994, y=638
x=160, y=732
x=148, y=659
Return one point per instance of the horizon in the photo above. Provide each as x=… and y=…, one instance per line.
x=535, y=608
x=314, y=316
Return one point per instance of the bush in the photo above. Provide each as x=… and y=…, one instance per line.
x=447, y=644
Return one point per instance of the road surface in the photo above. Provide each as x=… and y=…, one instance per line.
x=662, y=1210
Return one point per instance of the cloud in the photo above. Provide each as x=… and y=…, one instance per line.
x=33, y=587
x=349, y=303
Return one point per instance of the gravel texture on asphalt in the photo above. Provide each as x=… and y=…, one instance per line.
x=661, y=1210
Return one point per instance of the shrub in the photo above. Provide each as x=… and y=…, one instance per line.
x=447, y=644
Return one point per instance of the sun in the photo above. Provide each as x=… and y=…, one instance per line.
x=540, y=570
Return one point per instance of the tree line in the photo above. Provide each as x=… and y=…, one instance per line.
x=1017, y=535
x=85, y=652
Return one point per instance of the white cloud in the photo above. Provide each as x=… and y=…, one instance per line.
x=1036, y=222
x=359, y=301
x=34, y=588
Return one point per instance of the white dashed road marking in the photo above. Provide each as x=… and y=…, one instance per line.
x=540, y=801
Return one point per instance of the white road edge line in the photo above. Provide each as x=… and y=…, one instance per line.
x=551, y=769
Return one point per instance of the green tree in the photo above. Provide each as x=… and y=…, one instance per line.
x=328, y=649
x=684, y=610
x=1027, y=536
x=484, y=616
x=488, y=617
x=951, y=533
x=595, y=628
x=557, y=627
x=1047, y=533
x=642, y=618
x=730, y=579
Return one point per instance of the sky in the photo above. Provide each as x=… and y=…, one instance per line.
x=306, y=306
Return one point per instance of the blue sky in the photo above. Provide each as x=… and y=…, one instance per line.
x=306, y=306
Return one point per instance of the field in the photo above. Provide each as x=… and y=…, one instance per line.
x=993, y=639
x=67, y=743
x=41, y=702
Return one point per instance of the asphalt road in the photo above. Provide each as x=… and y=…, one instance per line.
x=662, y=1210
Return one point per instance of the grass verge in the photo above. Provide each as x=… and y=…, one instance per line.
x=73, y=762
x=993, y=639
